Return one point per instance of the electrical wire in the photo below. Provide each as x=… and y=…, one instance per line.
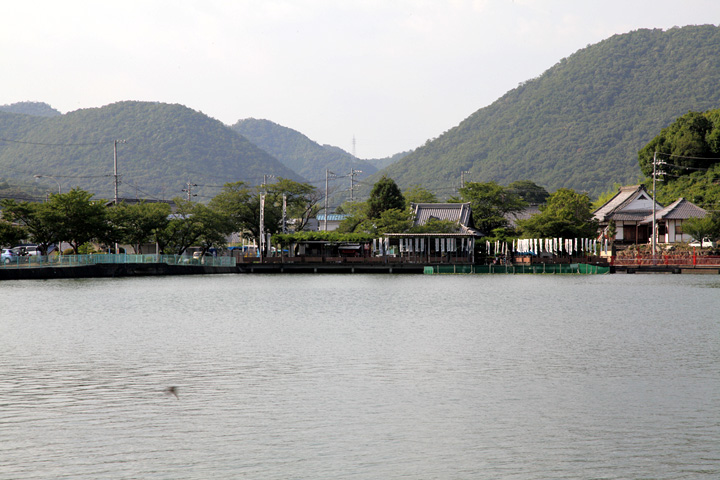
x=55, y=144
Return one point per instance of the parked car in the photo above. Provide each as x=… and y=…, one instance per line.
x=705, y=243
x=24, y=250
x=8, y=255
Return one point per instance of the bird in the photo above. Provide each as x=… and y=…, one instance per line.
x=172, y=391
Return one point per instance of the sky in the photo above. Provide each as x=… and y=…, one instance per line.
x=374, y=77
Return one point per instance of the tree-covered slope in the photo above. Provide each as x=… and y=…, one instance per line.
x=165, y=147
x=38, y=109
x=298, y=152
x=581, y=123
x=687, y=156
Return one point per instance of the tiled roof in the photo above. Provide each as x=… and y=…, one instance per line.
x=680, y=209
x=524, y=214
x=617, y=207
x=455, y=212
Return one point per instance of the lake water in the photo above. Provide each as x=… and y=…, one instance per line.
x=361, y=377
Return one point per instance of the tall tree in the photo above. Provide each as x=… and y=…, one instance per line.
x=385, y=195
x=80, y=218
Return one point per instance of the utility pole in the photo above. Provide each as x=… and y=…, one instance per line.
x=189, y=190
x=115, y=167
x=115, y=175
x=327, y=177
x=261, y=245
x=284, y=224
x=654, y=226
x=353, y=172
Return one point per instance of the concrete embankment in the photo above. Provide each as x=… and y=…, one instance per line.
x=155, y=269
x=109, y=270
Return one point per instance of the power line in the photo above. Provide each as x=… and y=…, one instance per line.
x=687, y=157
x=41, y=144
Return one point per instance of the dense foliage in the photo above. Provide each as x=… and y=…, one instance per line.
x=242, y=204
x=385, y=195
x=491, y=204
x=567, y=214
x=166, y=147
x=687, y=152
x=581, y=123
x=334, y=236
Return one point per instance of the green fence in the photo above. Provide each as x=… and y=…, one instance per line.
x=547, y=268
x=75, y=260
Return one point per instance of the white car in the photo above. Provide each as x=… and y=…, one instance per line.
x=8, y=255
x=705, y=243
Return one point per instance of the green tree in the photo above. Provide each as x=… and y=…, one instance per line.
x=529, y=191
x=80, y=219
x=689, y=143
x=356, y=214
x=393, y=220
x=419, y=194
x=566, y=214
x=216, y=227
x=11, y=234
x=301, y=200
x=184, y=228
x=136, y=224
x=703, y=227
x=491, y=204
x=241, y=204
x=384, y=195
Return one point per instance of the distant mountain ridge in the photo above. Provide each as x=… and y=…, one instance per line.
x=298, y=152
x=581, y=123
x=166, y=146
x=37, y=109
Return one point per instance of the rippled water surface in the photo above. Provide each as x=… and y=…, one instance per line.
x=361, y=377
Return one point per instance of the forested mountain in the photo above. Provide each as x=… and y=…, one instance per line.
x=166, y=146
x=581, y=123
x=298, y=152
x=381, y=163
x=37, y=109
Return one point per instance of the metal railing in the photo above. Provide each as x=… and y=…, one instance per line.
x=670, y=260
x=121, y=258
x=536, y=268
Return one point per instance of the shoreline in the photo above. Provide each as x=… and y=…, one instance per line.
x=164, y=269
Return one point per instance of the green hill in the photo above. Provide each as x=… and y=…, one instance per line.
x=581, y=123
x=166, y=147
x=299, y=153
x=38, y=109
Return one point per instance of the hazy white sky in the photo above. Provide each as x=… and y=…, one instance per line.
x=392, y=73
